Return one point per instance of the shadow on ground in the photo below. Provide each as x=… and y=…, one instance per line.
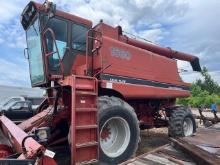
x=151, y=139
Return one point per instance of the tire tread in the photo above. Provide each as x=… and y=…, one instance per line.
x=105, y=102
x=176, y=118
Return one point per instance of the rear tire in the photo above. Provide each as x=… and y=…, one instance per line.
x=181, y=122
x=119, y=130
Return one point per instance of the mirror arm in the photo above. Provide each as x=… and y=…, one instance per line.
x=26, y=53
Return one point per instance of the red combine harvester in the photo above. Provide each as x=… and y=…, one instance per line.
x=102, y=88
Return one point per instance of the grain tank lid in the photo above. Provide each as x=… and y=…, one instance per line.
x=167, y=52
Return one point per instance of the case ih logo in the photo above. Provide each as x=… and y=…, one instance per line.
x=116, y=52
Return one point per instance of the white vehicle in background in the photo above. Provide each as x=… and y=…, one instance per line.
x=35, y=101
x=10, y=100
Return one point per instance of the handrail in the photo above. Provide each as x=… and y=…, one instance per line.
x=52, y=52
x=95, y=49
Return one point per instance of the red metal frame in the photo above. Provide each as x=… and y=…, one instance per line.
x=96, y=49
x=16, y=136
x=84, y=128
x=66, y=15
x=113, y=54
x=47, y=55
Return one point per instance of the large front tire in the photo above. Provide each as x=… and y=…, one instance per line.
x=119, y=130
x=181, y=122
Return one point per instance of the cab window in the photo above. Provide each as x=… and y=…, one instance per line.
x=79, y=37
x=59, y=28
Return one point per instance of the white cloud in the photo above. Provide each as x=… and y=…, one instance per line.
x=128, y=14
x=190, y=26
x=197, y=32
x=8, y=10
x=138, y=17
x=154, y=35
x=1, y=40
x=13, y=74
x=193, y=76
x=12, y=35
x=190, y=77
x=11, y=32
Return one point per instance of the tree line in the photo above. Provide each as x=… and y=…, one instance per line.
x=204, y=92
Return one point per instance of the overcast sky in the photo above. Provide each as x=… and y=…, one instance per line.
x=191, y=26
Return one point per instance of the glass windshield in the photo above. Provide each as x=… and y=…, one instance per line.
x=59, y=28
x=79, y=37
x=35, y=54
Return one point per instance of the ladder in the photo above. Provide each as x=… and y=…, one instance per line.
x=84, y=121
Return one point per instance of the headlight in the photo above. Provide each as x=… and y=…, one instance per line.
x=42, y=134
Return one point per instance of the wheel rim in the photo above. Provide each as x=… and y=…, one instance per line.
x=188, y=126
x=114, y=136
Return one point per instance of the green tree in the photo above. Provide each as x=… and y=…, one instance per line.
x=203, y=92
x=208, y=84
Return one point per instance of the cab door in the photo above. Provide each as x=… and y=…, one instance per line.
x=59, y=27
x=77, y=50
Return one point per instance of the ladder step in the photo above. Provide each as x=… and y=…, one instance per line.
x=85, y=149
x=87, y=126
x=87, y=144
x=86, y=93
x=56, y=76
x=51, y=97
x=88, y=162
x=86, y=110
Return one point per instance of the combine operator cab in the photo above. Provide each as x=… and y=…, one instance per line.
x=54, y=38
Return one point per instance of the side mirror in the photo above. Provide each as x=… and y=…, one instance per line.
x=52, y=10
x=50, y=7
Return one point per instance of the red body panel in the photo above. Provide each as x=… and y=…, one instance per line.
x=119, y=55
x=136, y=63
x=144, y=75
x=142, y=64
x=131, y=91
x=66, y=15
x=16, y=135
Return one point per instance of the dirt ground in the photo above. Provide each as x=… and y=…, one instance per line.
x=153, y=138
x=206, y=113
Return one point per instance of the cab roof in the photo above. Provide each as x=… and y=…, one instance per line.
x=62, y=14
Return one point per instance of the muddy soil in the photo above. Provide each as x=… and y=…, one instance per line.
x=151, y=139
